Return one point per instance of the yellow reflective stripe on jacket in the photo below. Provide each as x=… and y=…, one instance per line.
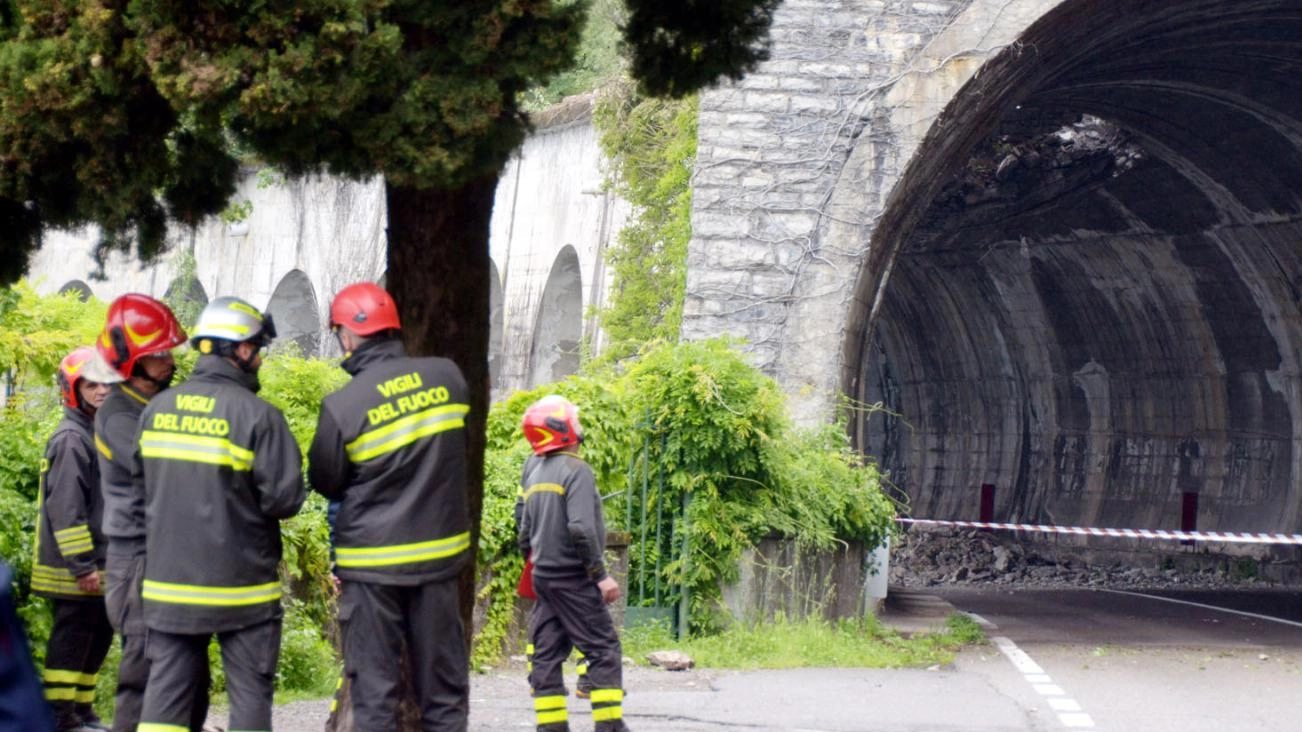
x=61, y=676
x=103, y=447
x=74, y=540
x=135, y=394
x=195, y=449
x=156, y=727
x=72, y=532
x=545, y=488
x=385, y=556
x=60, y=693
x=406, y=431
x=210, y=596
x=58, y=580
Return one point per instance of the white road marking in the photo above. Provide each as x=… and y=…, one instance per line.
x=1021, y=661
x=1217, y=608
x=1068, y=709
x=981, y=621
x=1079, y=720
x=1064, y=704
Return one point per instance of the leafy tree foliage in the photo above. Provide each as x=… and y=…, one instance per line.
x=37, y=331
x=599, y=58
x=119, y=113
x=677, y=48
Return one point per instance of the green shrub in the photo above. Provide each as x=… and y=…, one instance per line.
x=718, y=430
x=307, y=659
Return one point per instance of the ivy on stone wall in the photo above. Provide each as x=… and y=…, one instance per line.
x=651, y=144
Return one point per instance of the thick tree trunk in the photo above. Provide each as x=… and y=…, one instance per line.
x=439, y=276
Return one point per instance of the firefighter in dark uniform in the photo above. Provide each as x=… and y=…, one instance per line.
x=391, y=448
x=563, y=534
x=219, y=469
x=137, y=344
x=70, y=548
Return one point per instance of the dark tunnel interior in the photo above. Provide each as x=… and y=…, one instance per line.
x=1097, y=307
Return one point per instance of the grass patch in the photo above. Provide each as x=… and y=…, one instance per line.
x=811, y=642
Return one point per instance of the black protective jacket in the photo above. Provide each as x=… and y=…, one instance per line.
x=559, y=519
x=116, y=424
x=390, y=447
x=218, y=468
x=69, y=510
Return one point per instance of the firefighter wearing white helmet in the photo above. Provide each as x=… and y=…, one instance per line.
x=214, y=546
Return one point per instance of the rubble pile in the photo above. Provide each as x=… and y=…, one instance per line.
x=945, y=557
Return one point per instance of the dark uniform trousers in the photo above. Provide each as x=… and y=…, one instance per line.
x=79, y=641
x=377, y=622
x=178, y=671
x=124, y=571
x=570, y=613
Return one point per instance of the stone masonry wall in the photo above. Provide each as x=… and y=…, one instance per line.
x=796, y=162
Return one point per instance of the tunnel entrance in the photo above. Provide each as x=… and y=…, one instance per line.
x=1094, y=298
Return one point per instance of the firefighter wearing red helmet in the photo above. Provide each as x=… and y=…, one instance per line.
x=136, y=345
x=219, y=470
x=70, y=548
x=390, y=448
x=562, y=532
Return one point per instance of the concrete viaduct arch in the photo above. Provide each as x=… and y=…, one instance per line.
x=303, y=240
x=1058, y=238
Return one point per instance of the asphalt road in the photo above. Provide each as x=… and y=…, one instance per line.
x=1059, y=660
x=1151, y=662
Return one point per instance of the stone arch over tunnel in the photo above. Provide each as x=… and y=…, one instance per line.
x=294, y=307
x=1086, y=286
x=558, y=329
x=81, y=289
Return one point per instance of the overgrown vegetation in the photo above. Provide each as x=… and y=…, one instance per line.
x=808, y=643
x=651, y=144
x=597, y=60
x=718, y=430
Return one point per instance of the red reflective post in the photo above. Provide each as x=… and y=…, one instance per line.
x=1189, y=515
x=987, y=503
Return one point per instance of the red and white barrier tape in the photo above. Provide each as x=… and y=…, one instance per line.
x=1237, y=537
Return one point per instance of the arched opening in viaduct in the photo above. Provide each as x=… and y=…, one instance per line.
x=81, y=289
x=1088, y=283
x=495, y=323
x=298, y=319
x=187, y=297
x=558, y=328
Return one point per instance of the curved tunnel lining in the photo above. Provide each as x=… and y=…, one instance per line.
x=1096, y=336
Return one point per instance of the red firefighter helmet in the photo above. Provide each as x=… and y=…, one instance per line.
x=137, y=325
x=72, y=369
x=551, y=424
x=365, y=309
